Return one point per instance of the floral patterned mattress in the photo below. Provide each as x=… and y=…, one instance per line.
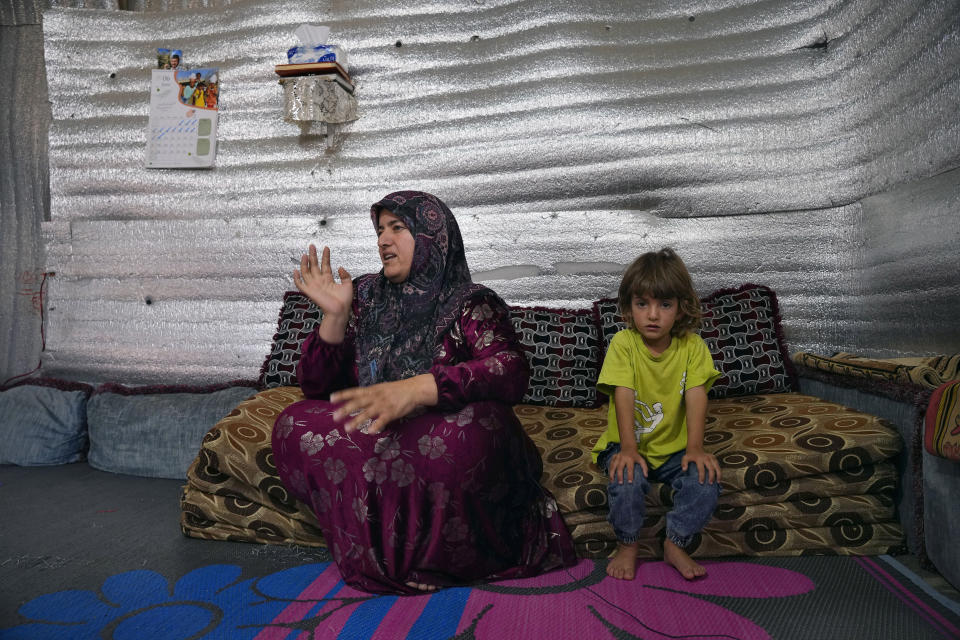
x=800, y=476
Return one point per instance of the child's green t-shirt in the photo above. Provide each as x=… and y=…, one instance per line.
x=659, y=382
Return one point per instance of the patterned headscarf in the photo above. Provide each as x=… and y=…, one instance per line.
x=400, y=325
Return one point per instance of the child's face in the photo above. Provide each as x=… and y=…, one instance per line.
x=654, y=318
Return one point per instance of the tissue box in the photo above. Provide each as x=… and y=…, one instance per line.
x=318, y=53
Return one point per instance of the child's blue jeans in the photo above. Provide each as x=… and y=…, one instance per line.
x=693, y=503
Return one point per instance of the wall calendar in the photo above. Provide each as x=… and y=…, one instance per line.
x=182, y=130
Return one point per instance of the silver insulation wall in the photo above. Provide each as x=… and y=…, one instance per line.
x=805, y=145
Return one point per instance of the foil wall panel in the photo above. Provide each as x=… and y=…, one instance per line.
x=567, y=136
x=911, y=270
x=24, y=12
x=152, y=299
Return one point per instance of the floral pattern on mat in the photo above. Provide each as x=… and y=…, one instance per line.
x=310, y=600
x=800, y=475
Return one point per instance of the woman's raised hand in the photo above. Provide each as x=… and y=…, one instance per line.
x=315, y=280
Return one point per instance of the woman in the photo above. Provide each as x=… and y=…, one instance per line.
x=417, y=468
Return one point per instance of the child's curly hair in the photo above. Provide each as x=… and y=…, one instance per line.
x=661, y=274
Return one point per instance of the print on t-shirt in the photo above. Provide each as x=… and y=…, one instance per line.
x=645, y=418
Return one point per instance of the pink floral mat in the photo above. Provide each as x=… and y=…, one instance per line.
x=788, y=598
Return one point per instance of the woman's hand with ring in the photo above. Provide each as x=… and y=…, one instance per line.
x=381, y=404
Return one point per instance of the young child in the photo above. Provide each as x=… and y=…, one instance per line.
x=657, y=373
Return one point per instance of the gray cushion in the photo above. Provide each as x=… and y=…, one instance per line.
x=42, y=425
x=154, y=434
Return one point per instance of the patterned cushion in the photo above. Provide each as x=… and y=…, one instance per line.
x=800, y=475
x=233, y=491
x=742, y=329
x=298, y=316
x=606, y=314
x=561, y=347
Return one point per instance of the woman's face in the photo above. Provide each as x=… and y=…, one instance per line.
x=396, y=245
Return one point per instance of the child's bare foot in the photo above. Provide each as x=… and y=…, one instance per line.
x=681, y=561
x=623, y=564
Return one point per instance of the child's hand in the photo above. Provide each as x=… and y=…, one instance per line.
x=622, y=464
x=707, y=465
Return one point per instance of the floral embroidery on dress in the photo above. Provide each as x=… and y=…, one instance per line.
x=463, y=417
x=488, y=423
x=375, y=470
x=374, y=561
x=310, y=443
x=388, y=448
x=299, y=481
x=320, y=498
x=285, y=426
x=485, y=340
x=432, y=447
x=333, y=437
x=355, y=551
x=456, y=334
x=494, y=366
x=335, y=469
x=361, y=510
x=481, y=312
x=402, y=472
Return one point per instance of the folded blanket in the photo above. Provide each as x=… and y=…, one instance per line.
x=925, y=371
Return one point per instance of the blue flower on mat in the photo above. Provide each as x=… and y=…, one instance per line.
x=206, y=603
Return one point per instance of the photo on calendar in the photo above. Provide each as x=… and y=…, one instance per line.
x=198, y=87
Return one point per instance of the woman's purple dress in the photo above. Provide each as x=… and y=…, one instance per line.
x=445, y=497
